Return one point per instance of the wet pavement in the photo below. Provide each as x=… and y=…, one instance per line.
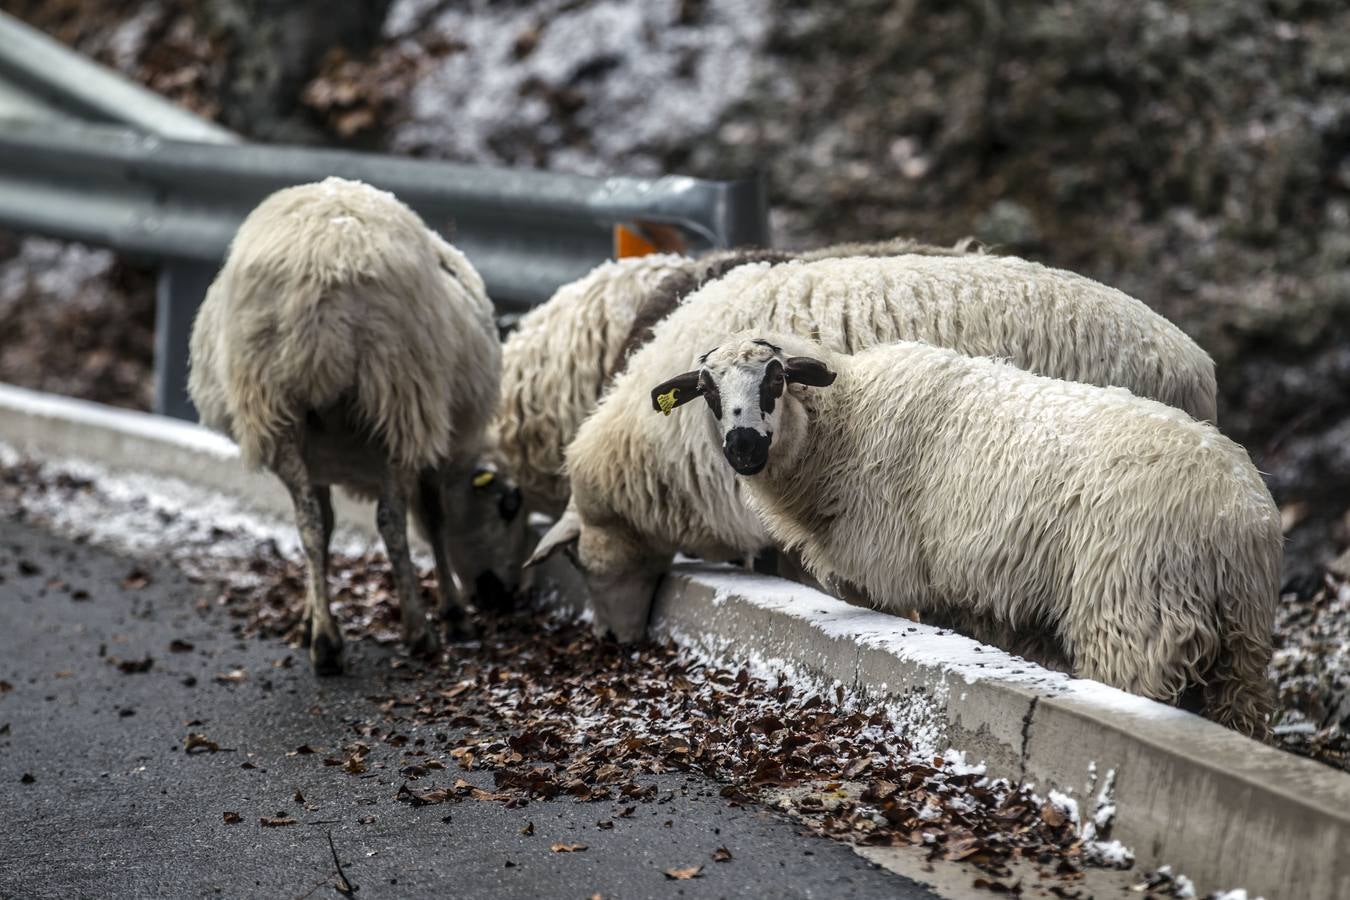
x=100, y=797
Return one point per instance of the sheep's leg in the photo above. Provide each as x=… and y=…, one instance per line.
x=325, y=647
x=391, y=515
x=325, y=495
x=1134, y=654
x=453, y=609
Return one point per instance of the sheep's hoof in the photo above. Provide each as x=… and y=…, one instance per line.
x=425, y=644
x=325, y=654
x=459, y=627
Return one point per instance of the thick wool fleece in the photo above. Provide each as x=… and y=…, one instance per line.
x=557, y=363
x=563, y=354
x=1144, y=540
x=337, y=291
x=661, y=479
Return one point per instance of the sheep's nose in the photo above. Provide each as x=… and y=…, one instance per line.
x=491, y=594
x=747, y=450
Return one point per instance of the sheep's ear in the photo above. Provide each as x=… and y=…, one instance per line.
x=808, y=371
x=565, y=532
x=676, y=392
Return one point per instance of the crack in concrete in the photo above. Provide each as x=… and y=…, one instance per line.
x=1026, y=737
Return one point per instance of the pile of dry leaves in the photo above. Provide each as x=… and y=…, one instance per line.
x=1311, y=670
x=552, y=712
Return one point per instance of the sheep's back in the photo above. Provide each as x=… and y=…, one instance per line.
x=1044, y=320
x=338, y=292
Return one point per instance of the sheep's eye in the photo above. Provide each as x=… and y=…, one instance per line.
x=771, y=388
x=709, y=391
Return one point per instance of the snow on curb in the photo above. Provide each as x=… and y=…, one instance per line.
x=1179, y=784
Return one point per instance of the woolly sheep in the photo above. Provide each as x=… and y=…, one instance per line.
x=642, y=492
x=343, y=342
x=1143, y=540
x=563, y=354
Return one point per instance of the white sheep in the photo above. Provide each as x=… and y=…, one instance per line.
x=562, y=355
x=556, y=364
x=343, y=342
x=1144, y=541
x=642, y=492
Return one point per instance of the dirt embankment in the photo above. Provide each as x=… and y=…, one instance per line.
x=1195, y=154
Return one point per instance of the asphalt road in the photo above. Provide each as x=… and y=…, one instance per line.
x=98, y=797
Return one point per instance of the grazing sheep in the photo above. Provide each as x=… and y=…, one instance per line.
x=556, y=364
x=642, y=492
x=1143, y=540
x=343, y=342
x=563, y=354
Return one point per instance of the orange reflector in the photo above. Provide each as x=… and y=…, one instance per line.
x=643, y=238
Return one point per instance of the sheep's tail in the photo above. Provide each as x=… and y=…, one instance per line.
x=306, y=361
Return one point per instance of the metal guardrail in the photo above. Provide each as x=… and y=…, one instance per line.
x=141, y=189
x=41, y=75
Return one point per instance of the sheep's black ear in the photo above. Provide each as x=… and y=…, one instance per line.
x=808, y=371
x=676, y=392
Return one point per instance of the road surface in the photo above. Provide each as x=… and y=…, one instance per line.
x=100, y=799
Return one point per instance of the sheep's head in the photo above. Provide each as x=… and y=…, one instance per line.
x=486, y=533
x=621, y=574
x=743, y=382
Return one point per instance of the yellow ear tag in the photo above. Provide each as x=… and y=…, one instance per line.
x=483, y=479
x=667, y=401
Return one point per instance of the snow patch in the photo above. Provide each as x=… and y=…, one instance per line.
x=633, y=78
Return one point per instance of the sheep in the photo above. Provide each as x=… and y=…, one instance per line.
x=345, y=343
x=563, y=354
x=557, y=362
x=1145, y=541
x=641, y=493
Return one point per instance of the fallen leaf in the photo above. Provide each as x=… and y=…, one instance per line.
x=180, y=646
x=134, y=666
x=135, y=580
x=233, y=818
x=302, y=750
x=5, y=687
x=275, y=821
x=299, y=797
x=528, y=829
x=683, y=874
x=567, y=848
x=998, y=887
x=234, y=676
x=27, y=779
x=721, y=854
x=199, y=743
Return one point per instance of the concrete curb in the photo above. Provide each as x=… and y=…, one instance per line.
x=1223, y=809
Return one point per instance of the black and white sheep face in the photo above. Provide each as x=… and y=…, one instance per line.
x=743, y=383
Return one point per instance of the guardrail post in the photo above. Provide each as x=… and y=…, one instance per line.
x=182, y=286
